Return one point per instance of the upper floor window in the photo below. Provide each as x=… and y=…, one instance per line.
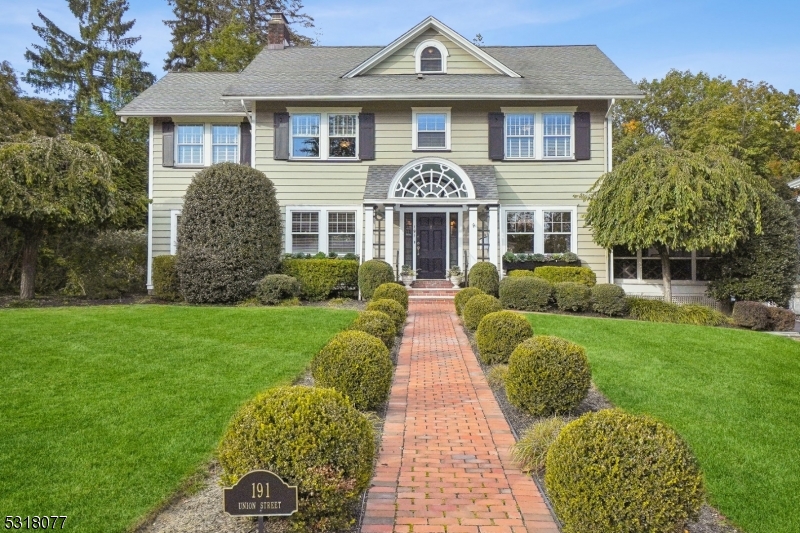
x=342, y=135
x=305, y=135
x=224, y=143
x=538, y=134
x=557, y=135
x=189, y=145
x=431, y=57
x=431, y=129
x=520, y=136
x=324, y=135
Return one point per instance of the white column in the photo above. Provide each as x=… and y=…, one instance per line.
x=369, y=223
x=494, y=240
x=389, y=232
x=473, y=235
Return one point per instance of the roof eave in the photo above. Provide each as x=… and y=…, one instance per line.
x=123, y=113
x=442, y=97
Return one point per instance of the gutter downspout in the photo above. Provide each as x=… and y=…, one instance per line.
x=609, y=168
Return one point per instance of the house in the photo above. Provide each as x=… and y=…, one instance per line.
x=429, y=152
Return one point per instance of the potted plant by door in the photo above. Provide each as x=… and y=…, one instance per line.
x=455, y=276
x=407, y=275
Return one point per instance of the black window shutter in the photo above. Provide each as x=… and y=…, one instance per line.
x=366, y=136
x=245, y=144
x=281, y=144
x=168, y=144
x=496, y=136
x=583, y=136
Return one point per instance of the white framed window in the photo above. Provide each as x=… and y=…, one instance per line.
x=305, y=232
x=305, y=135
x=520, y=231
x=174, y=221
x=539, y=133
x=189, y=144
x=539, y=229
x=520, y=136
x=557, y=138
x=431, y=129
x=557, y=232
x=324, y=134
x=330, y=228
x=645, y=265
x=342, y=232
x=431, y=57
x=342, y=136
x=224, y=143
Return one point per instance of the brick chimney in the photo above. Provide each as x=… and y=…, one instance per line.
x=278, y=35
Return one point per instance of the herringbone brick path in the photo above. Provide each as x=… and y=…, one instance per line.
x=444, y=463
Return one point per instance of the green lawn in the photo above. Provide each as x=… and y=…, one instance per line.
x=734, y=396
x=106, y=410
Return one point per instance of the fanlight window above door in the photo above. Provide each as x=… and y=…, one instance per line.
x=431, y=180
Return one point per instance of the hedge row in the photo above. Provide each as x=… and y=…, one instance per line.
x=320, y=278
x=760, y=317
x=531, y=293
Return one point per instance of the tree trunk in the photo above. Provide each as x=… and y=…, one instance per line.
x=30, y=253
x=666, y=273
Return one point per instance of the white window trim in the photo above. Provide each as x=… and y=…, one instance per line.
x=238, y=141
x=639, y=280
x=207, y=145
x=447, y=127
x=324, y=147
x=538, y=225
x=323, y=211
x=203, y=146
x=173, y=230
x=418, y=56
x=538, y=131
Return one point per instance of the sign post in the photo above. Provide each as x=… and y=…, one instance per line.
x=260, y=493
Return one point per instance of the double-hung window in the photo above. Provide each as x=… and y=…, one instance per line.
x=224, y=143
x=557, y=135
x=342, y=232
x=557, y=232
x=539, y=134
x=328, y=229
x=305, y=135
x=189, y=145
x=520, y=136
x=520, y=231
x=324, y=135
x=540, y=230
x=305, y=232
x=431, y=129
x=342, y=130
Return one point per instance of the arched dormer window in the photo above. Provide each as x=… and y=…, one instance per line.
x=431, y=57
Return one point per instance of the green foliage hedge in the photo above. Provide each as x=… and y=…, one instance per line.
x=320, y=278
x=463, y=296
x=555, y=274
x=311, y=437
x=660, y=311
x=548, y=375
x=499, y=333
x=392, y=291
x=609, y=299
x=166, y=284
x=521, y=274
x=378, y=324
x=356, y=364
x=530, y=451
x=229, y=235
x=751, y=315
x=572, y=296
x=614, y=472
x=525, y=293
x=391, y=308
x=478, y=307
x=781, y=319
x=372, y=274
x=484, y=276
x=275, y=288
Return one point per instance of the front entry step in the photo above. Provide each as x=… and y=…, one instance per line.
x=431, y=284
x=432, y=294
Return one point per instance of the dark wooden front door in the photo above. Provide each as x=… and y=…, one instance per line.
x=431, y=245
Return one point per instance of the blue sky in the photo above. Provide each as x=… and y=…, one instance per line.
x=738, y=39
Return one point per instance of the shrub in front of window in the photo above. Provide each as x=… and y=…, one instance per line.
x=751, y=315
x=391, y=308
x=661, y=488
x=521, y=274
x=372, y=274
x=530, y=451
x=392, y=291
x=499, y=333
x=547, y=376
x=478, y=307
x=781, y=319
x=555, y=274
x=229, y=234
x=378, y=324
x=356, y=364
x=275, y=288
x=571, y=296
x=166, y=284
x=484, y=276
x=320, y=278
x=661, y=311
x=463, y=296
x=311, y=437
x=525, y=293
x=609, y=299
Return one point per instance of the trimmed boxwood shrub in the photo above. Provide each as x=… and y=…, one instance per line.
x=751, y=315
x=478, y=307
x=781, y=319
x=378, y=324
x=372, y=274
x=555, y=274
x=609, y=299
x=229, y=234
x=391, y=308
x=166, y=284
x=547, y=375
x=275, y=288
x=319, y=278
x=525, y=293
x=463, y=296
x=392, y=291
x=311, y=437
x=521, y=274
x=499, y=333
x=484, y=276
x=357, y=365
x=572, y=296
x=615, y=472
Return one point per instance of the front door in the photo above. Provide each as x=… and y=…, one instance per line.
x=431, y=245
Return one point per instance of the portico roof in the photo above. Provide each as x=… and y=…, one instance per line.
x=380, y=178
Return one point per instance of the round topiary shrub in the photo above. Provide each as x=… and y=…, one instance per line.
x=478, y=307
x=275, y=288
x=609, y=299
x=615, y=472
x=547, y=375
x=378, y=324
x=572, y=296
x=499, y=333
x=311, y=437
x=372, y=274
x=751, y=315
x=229, y=234
x=391, y=308
x=392, y=291
x=525, y=293
x=463, y=296
x=166, y=284
x=484, y=276
x=357, y=365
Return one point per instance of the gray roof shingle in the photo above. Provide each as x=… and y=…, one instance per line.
x=379, y=178
x=186, y=93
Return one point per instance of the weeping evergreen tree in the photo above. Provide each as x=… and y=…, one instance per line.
x=676, y=200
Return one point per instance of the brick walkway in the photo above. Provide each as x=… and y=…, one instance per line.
x=444, y=463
